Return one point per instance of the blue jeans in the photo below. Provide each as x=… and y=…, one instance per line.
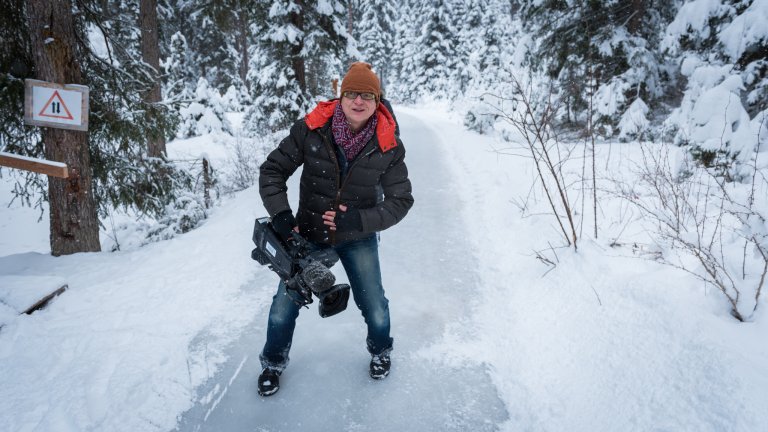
x=360, y=259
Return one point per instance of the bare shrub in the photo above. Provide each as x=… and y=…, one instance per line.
x=246, y=157
x=712, y=229
x=534, y=117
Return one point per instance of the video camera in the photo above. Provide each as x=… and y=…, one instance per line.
x=303, y=267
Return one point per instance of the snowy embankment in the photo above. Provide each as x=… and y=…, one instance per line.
x=116, y=351
x=604, y=341
x=125, y=348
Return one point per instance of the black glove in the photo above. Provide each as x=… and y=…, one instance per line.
x=283, y=223
x=348, y=220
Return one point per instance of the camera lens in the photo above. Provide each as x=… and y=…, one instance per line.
x=332, y=297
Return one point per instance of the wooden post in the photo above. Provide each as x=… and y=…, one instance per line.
x=206, y=183
x=42, y=166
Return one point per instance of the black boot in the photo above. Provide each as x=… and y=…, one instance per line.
x=380, y=365
x=269, y=382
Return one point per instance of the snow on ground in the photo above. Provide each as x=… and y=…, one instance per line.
x=115, y=351
x=430, y=282
x=18, y=224
x=167, y=336
x=605, y=341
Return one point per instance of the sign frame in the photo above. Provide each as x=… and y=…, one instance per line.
x=30, y=84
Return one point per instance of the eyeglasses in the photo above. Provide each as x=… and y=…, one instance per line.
x=353, y=95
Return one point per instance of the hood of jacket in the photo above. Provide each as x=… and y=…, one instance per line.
x=385, y=127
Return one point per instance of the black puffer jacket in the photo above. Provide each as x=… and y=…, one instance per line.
x=380, y=167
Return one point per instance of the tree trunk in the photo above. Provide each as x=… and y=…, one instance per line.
x=514, y=8
x=297, y=61
x=242, y=44
x=74, y=223
x=150, y=53
x=349, y=18
x=636, y=19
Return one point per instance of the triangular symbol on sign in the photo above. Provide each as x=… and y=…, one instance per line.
x=54, y=108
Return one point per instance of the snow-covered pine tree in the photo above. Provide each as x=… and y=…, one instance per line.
x=719, y=46
x=178, y=86
x=205, y=114
x=328, y=46
x=353, y=16
x=645, y=84
x=407, y=69
x=486, y=39
x=244, y=16
x=731, y=32
x=124, y=176
x=436, y=58
x=376, y=40
x=277, y=91
x=17, y=64
x=304, y=45
x=459, y=55
x=209, y=27
x=745, y=43
x=469, y=22
x=605, y=42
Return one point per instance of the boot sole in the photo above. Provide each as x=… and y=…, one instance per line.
x=380, y=376
x=268, y=392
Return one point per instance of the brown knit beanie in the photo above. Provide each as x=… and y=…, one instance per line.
x=360, y=78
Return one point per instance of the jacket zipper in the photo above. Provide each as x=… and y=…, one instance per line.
x=349, y=171
x=344, y=182
x=339, y=181
x=332, y=152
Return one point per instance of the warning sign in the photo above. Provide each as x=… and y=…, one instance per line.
x=56, y=105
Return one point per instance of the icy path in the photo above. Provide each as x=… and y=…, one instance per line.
x=326, y=386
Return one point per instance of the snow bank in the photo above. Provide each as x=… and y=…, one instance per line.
x=602, y=340
x=125, y=348
x=745, y=30
x=719, y=121
x=634, y=121
x=206, y=114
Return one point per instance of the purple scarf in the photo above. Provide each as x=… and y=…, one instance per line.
x=349, y=141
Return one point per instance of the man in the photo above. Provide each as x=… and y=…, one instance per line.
x=354, y=183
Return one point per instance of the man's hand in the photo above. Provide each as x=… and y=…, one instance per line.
x=343, y=221
x=284, y=223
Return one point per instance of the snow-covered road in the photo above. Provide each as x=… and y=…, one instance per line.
x=326, y=386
